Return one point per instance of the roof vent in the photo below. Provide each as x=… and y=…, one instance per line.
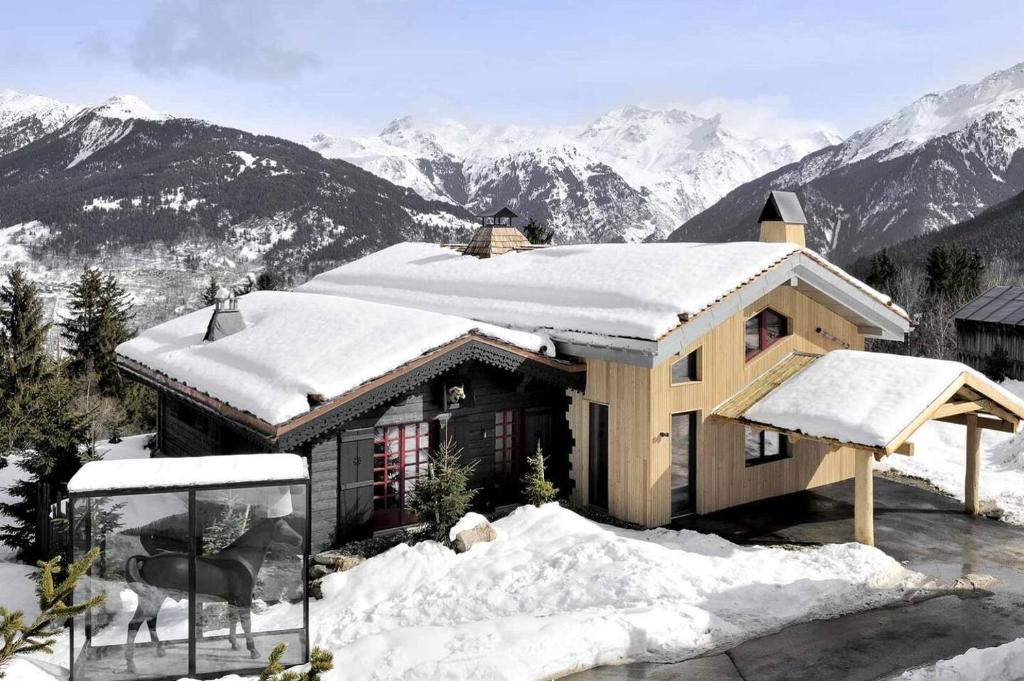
x=226, y=319
x=496, y=236
x=782, y=219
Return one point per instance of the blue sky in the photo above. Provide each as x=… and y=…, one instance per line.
x=294, y=68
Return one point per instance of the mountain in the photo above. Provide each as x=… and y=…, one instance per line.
x=632, y=174
x=24, y=118
x=939, y=161
x=123, y=175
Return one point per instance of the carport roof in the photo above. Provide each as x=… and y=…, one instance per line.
x=868, y=400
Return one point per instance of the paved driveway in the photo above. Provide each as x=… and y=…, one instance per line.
x=927, y=531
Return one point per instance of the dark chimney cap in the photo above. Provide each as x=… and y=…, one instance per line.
x=783, y=207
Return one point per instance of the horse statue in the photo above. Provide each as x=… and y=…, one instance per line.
x=228, y=575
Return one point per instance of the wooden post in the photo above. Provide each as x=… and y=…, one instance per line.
x=972, y=475
x=864, y=499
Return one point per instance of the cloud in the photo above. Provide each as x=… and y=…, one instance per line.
x=95, y=46
x=244, y=39
x=768, y=117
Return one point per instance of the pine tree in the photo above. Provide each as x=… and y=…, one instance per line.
x=441, y=498
x=60, y=442
x=954, y=272
x=24, y=365
x=320, y=661
x=269, y=281
x=536, y=233
x=209, y=295
x=537, y=489
x=101, y=312
x=39, y=635
x=883, y=273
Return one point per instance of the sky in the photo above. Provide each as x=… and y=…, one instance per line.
x=349, y=67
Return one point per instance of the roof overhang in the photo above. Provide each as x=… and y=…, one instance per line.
x=339, y=409
x=809, y=274
x=966, y=398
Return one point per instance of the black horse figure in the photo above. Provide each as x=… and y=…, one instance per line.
x=228, y=575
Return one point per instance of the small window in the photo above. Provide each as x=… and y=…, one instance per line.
x=684, y=370
x=763, y=330
x=767, y=445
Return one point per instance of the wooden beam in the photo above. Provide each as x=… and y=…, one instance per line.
x=972, y=474
x=864, y=499
x=954, y=408
x=983, y=423
x=925, y=415
x=906, y=449
x=1012, y=409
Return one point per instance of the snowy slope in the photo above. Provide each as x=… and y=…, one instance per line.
x=631, y=174
x=26, y=117
x=938, y=161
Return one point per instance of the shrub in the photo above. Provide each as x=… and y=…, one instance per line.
x=537, y=489
x=320, y=661
x=440, y=499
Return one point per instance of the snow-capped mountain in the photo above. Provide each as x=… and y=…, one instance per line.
x=26, y=117
x=939, y=161
x=632, y=174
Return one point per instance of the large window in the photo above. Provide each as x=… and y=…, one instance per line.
x=684, y=455
x=763, y=330
x=685, y=369
x=598, y=455
x=401, y=455
x=763, y=446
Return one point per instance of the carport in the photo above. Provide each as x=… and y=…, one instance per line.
x=874, y=403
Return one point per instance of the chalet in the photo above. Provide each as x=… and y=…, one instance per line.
x=660, y=379
x=991, y=324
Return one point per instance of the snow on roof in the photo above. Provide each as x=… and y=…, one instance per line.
x=165, y=473
x=865, y=398
x=297, y=344
x=626, y=290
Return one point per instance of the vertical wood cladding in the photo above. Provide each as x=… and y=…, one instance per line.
x=976, y=341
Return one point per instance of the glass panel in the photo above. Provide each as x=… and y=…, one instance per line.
x=598, y=444
x=774, y=326
x=771, y=444
x=683, y=449
x=141, y=632
x=249, y=577
x=752, y=444
x=685, y=369
x=752, y=336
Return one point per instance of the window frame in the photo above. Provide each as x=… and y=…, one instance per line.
x=762, y=333
x=508, y=446
x=785, y=447
x=694, y=360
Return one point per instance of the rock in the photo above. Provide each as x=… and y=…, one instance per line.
x=316, y=571
x=315, y=589
x=337, y=561
x=466, y=539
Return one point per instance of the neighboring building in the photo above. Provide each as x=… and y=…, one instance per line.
x=640, y=368
x=993, y=320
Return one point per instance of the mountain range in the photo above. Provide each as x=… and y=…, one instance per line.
x=632, y=174
x=939, y=161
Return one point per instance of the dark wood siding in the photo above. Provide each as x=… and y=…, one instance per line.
x=186, y=430
x=977, y=340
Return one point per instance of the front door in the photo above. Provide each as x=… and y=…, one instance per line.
x=684, y=455
x=401, y=455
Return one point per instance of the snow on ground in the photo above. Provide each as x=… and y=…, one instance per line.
x=1002, y=663
x=556, y=593
x=940, y=456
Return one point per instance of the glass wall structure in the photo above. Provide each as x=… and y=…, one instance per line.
x=201, y=580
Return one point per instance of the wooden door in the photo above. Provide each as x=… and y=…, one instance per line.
x=355, y=483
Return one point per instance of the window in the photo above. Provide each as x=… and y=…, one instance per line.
x=763, y=446
x=401, y=454
x=684, y=369
x=598, y=455
x=684, y=455
x=763, y=330
x=506, y=445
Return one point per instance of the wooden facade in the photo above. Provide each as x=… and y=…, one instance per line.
x=977, y=341
x=641, y=403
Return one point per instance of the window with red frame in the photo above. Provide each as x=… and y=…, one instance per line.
x=764, y=330
x=506, y=444
x=401, y=455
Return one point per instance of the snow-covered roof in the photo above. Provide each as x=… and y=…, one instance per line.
x=866, y=398
x=299, y=344
x=627, y=290
x=167, y=473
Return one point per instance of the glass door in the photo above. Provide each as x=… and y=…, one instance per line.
x=684, y=456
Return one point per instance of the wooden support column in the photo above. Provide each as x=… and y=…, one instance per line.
x=972, y=475
x=864, y=499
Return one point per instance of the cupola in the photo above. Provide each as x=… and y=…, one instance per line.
x=782, y=219
x=496, y=235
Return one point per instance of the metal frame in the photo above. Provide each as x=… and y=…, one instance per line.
x=192, y=490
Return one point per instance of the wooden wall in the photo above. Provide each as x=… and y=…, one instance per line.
x=641, y=403
x=977, y=340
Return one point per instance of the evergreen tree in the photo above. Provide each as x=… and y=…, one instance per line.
x=440, y=499
x=954, y=272
x=998, y=364
x=537, y=489
x=883, y=273
x=269, y=281
x=320, y=661
x=101, y=312
x=39, y=635
x=536, y=233
x=24, y=365
x=60, y=442
x=209, y=296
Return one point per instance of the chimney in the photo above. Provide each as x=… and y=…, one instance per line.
x=782, y=219
x=226, y=319
x=496, y=236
